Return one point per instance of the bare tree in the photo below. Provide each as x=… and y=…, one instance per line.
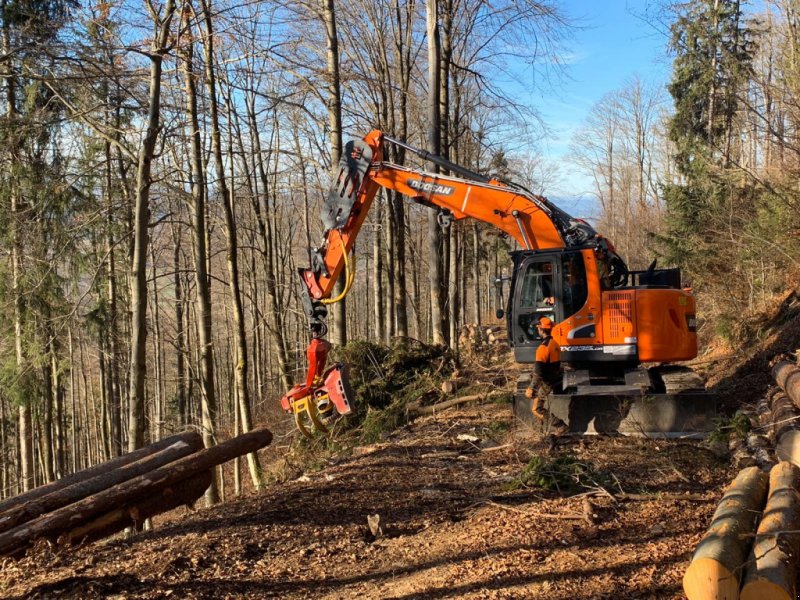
x=159, y=48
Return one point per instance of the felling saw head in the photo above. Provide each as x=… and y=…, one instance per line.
x=325, y=396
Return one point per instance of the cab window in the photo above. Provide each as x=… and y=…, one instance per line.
x=574, y=285
x=538, y=290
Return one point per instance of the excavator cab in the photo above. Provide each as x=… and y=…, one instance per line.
x=608, y=324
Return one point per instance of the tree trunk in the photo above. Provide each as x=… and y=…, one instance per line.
x=138, y=366
x=25, y=427
x=377, y=276
x=111, y=291
x=275, y=327
x=334, y=102
x=208, y=404
x=476, y=273
x=180, y=331
x=228, y=202
x=434, y=137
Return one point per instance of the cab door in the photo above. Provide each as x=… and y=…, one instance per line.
x=537, y=293
x=545, y=285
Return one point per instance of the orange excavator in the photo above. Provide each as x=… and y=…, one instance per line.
x=609, y=320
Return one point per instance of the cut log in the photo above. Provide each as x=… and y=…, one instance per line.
x=54, y=524
x=189, y=444
x=773, y=564
x=94, y=471
x=183, y=493
x=788, y=447
x=784, y=426
x=783, y=414
x=787, y=376
x=440, y=406
x=714, y=573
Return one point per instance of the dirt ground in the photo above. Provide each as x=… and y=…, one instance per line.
x=452, y=527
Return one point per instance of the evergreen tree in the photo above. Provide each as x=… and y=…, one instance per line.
x=713, y=55
x=32, y=184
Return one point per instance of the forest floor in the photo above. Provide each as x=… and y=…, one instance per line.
x=472, y=504
x=454, y=525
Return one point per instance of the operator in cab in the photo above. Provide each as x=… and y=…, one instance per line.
x=546, y=373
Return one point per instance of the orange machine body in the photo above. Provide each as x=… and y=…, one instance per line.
x=653, y=322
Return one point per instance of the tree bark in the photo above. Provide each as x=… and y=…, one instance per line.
x=434, y=138
x=100, y=469
x=787, y=376
x=183, y=493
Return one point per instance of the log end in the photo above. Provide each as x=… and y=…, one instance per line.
x=708, y=579
x=764, y=590
x=788, y=447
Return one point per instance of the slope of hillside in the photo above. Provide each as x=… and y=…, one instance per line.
x=456, y=522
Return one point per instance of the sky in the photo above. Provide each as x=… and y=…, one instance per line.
x=615, y=40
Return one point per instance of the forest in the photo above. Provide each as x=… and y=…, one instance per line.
x=163, y=165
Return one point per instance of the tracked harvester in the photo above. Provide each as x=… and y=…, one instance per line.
x=610, y=322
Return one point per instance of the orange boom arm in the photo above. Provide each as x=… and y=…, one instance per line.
x=534, y=222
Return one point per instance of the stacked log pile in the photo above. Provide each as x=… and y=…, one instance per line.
x=745, y=555
x=120, y=493
x=715, y=571
x=784, y=411
x=772, y=565
x=473, y=336
x=497, y=336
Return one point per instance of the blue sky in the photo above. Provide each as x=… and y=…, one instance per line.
x=614, y=42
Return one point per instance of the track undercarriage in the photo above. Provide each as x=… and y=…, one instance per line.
x=658, y=402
